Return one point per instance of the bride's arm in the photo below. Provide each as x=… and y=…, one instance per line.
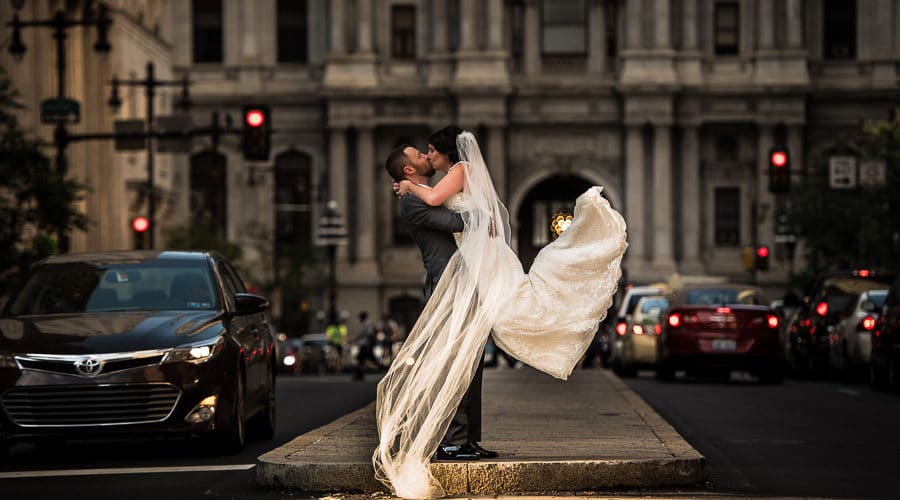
x=451, y=184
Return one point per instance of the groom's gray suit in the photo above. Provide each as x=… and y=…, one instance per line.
x=432, y=229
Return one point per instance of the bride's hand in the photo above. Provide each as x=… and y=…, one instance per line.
x=397, y=189
x=402, y=187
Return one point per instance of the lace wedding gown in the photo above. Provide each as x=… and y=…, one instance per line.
x=545, y=318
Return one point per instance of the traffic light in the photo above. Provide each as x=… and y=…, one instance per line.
x=139, y=228
x=779, y=171
x=256, y=133
x=761, y=262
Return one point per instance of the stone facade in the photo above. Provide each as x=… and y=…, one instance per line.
x=671, y=105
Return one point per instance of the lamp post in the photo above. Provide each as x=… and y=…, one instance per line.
x=150, y=83
x=60, y=23
x=330, y=233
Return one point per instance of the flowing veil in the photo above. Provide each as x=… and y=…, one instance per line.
x=483, y=288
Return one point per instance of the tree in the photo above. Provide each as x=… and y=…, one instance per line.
x=36, y=200
x=853, y=228
x=203, y=234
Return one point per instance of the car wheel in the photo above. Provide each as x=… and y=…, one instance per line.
x=235, y=438
x=4, y=450
x=264, y=422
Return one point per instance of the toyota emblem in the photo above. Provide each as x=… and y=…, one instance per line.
x=88, y=366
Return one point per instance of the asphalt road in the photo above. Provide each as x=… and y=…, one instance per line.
x=804, y=438
x=176, y=469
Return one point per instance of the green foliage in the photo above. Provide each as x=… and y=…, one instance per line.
x=203, y=234
x=36, y=200
x=853, y=228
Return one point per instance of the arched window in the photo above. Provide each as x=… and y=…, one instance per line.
x=293, y=199
x=209, y=190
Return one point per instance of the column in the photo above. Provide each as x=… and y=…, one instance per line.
x=364, y=26
x=338, y=45
x=635, y=197
x=633, y=11
x=766, y=25
x=495, y=25
x=689, y=25
x=337, y=167
x=532, y=39
x=795, y=150
x=365, y=206
x=467, y=13
x=794, y=24
x=690, y=199
x=496, y=158
x=597, y=30
x=661, y=25
x=662, y=198
x=439, y=26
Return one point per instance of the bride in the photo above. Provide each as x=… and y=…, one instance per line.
x=545, y=318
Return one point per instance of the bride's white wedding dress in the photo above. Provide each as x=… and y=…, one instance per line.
x=545, y=318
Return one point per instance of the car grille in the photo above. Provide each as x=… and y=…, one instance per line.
x=90, y=405
x=67, y=366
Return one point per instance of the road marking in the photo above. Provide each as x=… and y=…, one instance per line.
x=848, y=392
x=123, y=470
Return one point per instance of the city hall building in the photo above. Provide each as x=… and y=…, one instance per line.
x=673, y=106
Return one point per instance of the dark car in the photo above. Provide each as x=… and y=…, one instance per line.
x=884, y=366
x=828, y=300
x=714, y=329
x=161, y=343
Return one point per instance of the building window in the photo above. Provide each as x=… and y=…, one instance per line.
x=292, y=31
x=564, y=27
x=728, y=216
x=208, y=190
x=839, y=33
x=207, y=19
x=727, y=32
x=293, y=199
x=403, y=32
x=726, y=148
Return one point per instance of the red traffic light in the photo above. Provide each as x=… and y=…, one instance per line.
x=140, y=224
x=762, y=252
x=255, y=117
x=778, y=158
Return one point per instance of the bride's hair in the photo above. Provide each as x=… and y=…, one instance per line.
x=444, y=141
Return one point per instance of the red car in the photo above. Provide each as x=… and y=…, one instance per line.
x=717, y=329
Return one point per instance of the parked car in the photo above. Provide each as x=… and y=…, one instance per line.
x=635, y=347
x=827, y=301
x=714, y=329
x=138, y=342
x=884, y=367
x=618, y=316
x=851, y=344
x=317, y=355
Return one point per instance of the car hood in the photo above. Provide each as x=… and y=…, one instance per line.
x=107, y=332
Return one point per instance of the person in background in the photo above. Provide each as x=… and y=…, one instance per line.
x=336, y=333
x=365, y=341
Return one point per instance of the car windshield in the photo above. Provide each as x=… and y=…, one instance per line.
x=88, y=287
x=653, y=307
x=878, y=298
x=714, y=297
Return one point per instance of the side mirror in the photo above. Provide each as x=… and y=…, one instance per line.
x=247, y=303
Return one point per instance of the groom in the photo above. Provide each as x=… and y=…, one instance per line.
x=432, y=229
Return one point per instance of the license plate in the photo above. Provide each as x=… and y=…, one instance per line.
x=723, y=345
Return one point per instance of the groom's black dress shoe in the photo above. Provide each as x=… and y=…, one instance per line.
x=481, y=452
x=462, y=453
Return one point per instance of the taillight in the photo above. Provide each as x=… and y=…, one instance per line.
x=723, y=310
x=675, y=320
x=822, y=309
x=657, y=329
x=621, y=328
x=772, y=320
x=637, y=330
x=867, y=324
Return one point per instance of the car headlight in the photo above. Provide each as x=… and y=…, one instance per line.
x=198, y=353
x=7, y=360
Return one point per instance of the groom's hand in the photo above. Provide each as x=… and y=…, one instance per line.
x=397, y=189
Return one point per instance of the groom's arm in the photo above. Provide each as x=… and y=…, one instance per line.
x=418, y=213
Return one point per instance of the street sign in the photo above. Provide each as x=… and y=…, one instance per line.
x=872, y=173
x=173, y=124
x=842, y=172
x=331, y=231
x=785, y=238
x=129, y=135
x=60, y=110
